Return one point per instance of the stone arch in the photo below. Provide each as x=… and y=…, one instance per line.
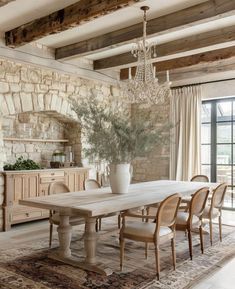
x=16, y=103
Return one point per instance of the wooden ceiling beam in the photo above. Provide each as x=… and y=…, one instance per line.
x=5, y=2
x=63, y=19
x=188, y=17
x=187, y=61
x=203, y=40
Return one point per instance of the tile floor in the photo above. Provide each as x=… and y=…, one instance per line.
x=223, y=278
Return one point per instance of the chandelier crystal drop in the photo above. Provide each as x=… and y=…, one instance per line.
x=144, y=86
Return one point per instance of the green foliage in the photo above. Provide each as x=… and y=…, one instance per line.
x=112, y=136
x=22, y=164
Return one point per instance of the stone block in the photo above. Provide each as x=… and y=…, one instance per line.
x=3, y=107
x=47, y=101
x=64, y=107
x=29, y=148
x=10, y=103
x=26, y=100
x=41, y=102
x=12, y=78
x=4, y=87
x=43, y=87
x=34, y=75
x=18, y=148
x=24, y=118
x=54, y=100
x=15, y=87
x=27, y=87
x=70, y=88
x=17, y=102
x=35, y=102
x=105, y=90
x=35, y=156
x=24, y=155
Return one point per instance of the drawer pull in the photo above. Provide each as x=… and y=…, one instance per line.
x=27, y=214
x=52, y=174
x=52, y=179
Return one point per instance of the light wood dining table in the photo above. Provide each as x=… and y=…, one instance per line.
x=93, y=203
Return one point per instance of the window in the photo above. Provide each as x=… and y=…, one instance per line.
x=218, y=142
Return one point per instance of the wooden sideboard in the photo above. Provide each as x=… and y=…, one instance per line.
x=35, y=183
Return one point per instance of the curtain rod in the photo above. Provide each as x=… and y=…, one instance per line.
x=212, y=81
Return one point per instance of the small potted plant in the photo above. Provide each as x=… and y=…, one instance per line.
x=113, y=136
x=22, y=164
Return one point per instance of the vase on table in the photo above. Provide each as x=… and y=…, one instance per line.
x=120, y=177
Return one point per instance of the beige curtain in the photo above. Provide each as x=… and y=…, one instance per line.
x=185, y=116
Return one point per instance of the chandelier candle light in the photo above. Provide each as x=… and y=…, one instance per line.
x=144, y=86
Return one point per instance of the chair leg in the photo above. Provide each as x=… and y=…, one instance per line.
x=190, y=244
x=157, y=261
x=211, y=232
x=146, y=250
x=100, y=221
x=173, y=252
x=143, y=214
x=220, y=229
x=119, y=221
x=122, y=248
x=201, y=239
x=97, y=225
x=50, y=236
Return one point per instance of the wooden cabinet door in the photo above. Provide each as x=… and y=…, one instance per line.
x=31, y=186
x=81, y=177
x=74, y=179
x=71, y=180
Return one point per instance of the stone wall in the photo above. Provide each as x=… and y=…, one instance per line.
x=32, y=126
x=155, y=166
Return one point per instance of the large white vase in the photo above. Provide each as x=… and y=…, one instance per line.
x=119, y=178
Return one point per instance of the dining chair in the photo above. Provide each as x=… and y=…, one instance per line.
x=157, y=233
x=200, y=178
x=91, y=184
x=186, y=200
x=54, y=218
x=214, y=209
x=186, y=221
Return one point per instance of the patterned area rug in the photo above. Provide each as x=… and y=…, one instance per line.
x=29, y=267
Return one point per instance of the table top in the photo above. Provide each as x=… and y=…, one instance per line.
x=92, y=203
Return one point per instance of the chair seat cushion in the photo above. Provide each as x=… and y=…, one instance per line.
x=73, y=220
x=206, y=213
x=142, y=229
x=182, y=218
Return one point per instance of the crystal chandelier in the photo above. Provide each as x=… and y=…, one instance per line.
x=144, y=86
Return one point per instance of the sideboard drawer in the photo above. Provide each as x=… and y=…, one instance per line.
x=24, y=216
x=51, y=180
x=52, y=174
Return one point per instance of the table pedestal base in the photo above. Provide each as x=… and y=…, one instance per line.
x=97, y=268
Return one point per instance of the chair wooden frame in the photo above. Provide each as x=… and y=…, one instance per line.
x=194, y=178
x=185, y=201
x=196, y=209
x=163, y=219
x=216, y=202
x=65, y=189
